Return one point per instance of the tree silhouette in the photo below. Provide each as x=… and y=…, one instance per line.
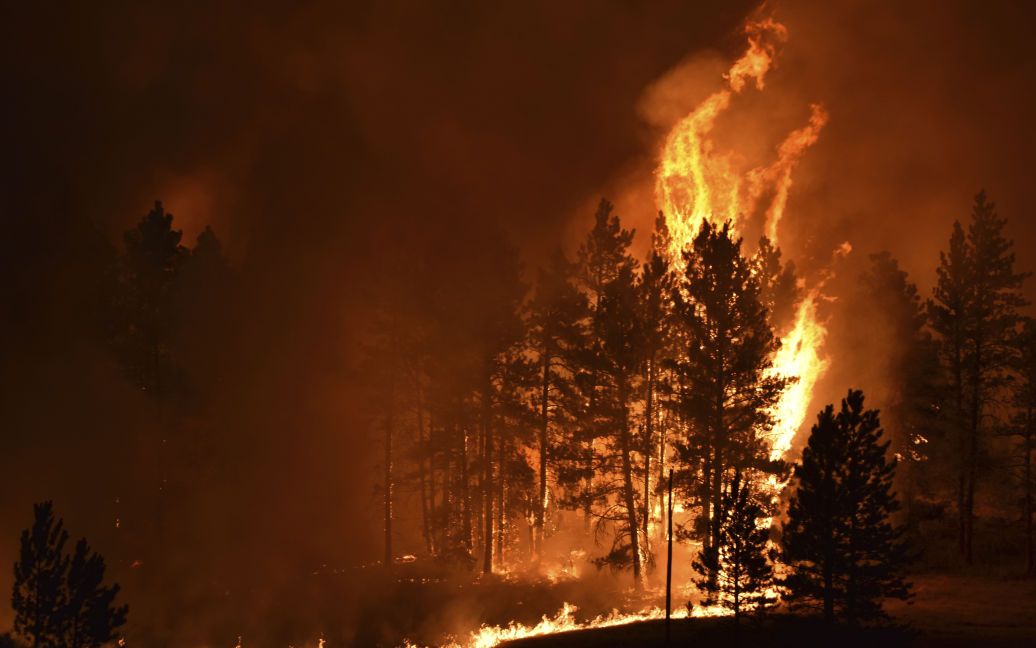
x=724, y=368
x=737, y=572
x=40, y=591
x=603, y=256
x=655, y=289
x=555, y=336
x=839, y=543
x=974, y=310
x=778, y=285
x=90, y=616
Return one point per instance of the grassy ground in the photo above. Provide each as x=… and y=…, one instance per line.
x=948, y=610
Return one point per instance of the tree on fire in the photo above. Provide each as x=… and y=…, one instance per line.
x=974, y=311
x=724, y=368
x=737, y=573
x=843, y=552
x=60, y=600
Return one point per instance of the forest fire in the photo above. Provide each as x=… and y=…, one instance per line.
x=696, y=183
x=526, y=323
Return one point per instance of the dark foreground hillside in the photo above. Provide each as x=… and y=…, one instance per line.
x=953, y=611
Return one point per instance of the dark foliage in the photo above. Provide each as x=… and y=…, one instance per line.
x=843, y=552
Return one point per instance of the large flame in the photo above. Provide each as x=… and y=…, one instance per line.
x=696, y=182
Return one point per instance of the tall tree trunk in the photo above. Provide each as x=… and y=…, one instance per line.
x=501, y=516
x=976, y=418
x=962, y=449
x=649, y=413
x=487, y=481
x=423, y=448
x=541, y=500
x=465, y=489
x=628, y=488
x=589, y=467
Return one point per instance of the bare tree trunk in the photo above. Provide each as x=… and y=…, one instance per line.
x=628, y=488
x=501, y=517
x=976, y=417
x=591, y=429
x=649, y=413
x=465, y=489
x=487, y=482
x=669, y=559
x=427, y=499
x=541, y=500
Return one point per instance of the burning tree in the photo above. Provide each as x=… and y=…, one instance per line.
x=839, y=543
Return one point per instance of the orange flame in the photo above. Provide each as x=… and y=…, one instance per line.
x=696, y=183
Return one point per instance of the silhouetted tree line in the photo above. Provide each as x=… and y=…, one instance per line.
x=508, y=403
x=499, y=404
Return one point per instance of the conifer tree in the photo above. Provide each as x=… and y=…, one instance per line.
x=655, y=288
x=725, y=366
x=779, y=289
x=617, y=322
x=841, y=548
x=90, y=616
x=40, y=592
x=555, y=337
x=737, y=572
x=601, y=259
x=975, y=313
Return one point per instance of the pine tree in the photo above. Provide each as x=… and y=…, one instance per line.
x=974, y=310
x=40, y=592
x=554, y=337
x=948, y=313
x=655, y=289
x=151, y=263
x=89, y=615
x=618, y=325
x=724, y=367
x=839, y=543
x=779, y=288
x=737, y=572
x=601, y=259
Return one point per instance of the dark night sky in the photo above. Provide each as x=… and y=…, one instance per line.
x=304, y=131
